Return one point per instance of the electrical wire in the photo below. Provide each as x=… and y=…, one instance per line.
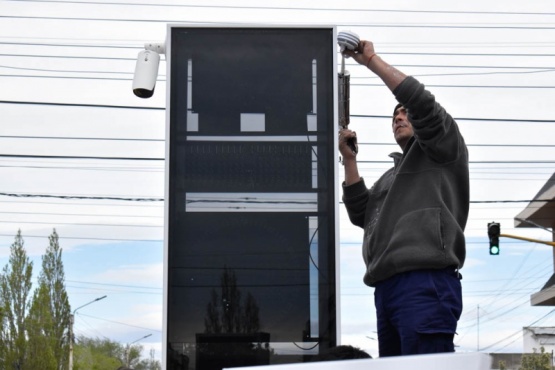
x=114, y=285
x=85, y=157
x=487, y=26
x=45, y=56
x=80, y=224
x=311, y=9
x=118, y=322
x=89, y=238
x=81, y=105
x=516, y=333
x=529, y=70
x=127, y=199
x=40, y=156
x=477, y=119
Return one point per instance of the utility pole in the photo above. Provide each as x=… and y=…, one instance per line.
x=478, y=331
x=528, y=239
x=128, y=349
x=71, y=321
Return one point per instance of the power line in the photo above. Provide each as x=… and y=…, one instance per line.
x=117, y=322
x=518, y=332
x=67, y=45
x=352, y=84
x=472, y=54
x=105, y=169
x=42, y=56
x=67, y=57
x=500, y=291
x=80, y=157
x=72, y=77
x=112, y=291
x=114, y=285
x=519, y=72
x=468, y=145
x=80, y=105
x=352, y=115
x=471, y=86
x=488, y=26
x=457, y=66
x=362, y=169
x=139, y=44
x=162, y=159
x=163, y=140
x=77, y=224
x=80, y=138
x=162, y=78
x=161, y=217
x=527, y=55
x=83, y=197
x=473, y=73
x=77, y=214
x=89, y=71
x=511, y=201
x=458, y=45
x=89, y=238
x=81, y=204
x=492, y=315
x=21, y=195
x=290, y=8
x=472, y=162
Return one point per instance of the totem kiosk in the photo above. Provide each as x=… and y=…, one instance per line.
x=251, y=239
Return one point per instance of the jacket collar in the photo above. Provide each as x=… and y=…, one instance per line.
x=398, y=157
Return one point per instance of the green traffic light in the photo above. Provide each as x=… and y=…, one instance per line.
x=494, y=232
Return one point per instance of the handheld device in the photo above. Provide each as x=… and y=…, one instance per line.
x=346, y=40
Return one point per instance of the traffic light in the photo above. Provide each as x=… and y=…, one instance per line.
x=494, y=230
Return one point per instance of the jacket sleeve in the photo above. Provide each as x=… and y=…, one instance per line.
x=435, y=130
x=355, y=198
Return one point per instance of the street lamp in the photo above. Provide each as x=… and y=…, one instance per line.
x=71, y=321
x=129, y=349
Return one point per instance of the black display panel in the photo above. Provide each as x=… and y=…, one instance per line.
x=251, y=207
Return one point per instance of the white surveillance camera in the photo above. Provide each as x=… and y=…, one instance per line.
x=146, y=70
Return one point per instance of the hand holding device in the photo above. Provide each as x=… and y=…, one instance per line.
x=346, y=40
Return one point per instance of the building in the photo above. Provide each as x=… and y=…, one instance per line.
x=540, y=212
x=536, y=337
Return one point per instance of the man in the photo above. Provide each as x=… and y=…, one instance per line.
x=413, y=218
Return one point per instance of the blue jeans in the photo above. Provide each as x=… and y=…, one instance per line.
x=418, y=311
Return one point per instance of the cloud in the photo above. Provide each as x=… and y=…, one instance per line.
x=140, y=274
x=473, y=262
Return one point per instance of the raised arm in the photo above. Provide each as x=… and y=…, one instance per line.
x=366, y=55
x=436, y=131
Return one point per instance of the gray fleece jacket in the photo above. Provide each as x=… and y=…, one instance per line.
x=415, y=214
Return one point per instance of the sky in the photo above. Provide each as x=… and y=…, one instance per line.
x=66, y=69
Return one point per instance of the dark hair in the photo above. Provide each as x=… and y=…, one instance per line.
x=344, y=352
